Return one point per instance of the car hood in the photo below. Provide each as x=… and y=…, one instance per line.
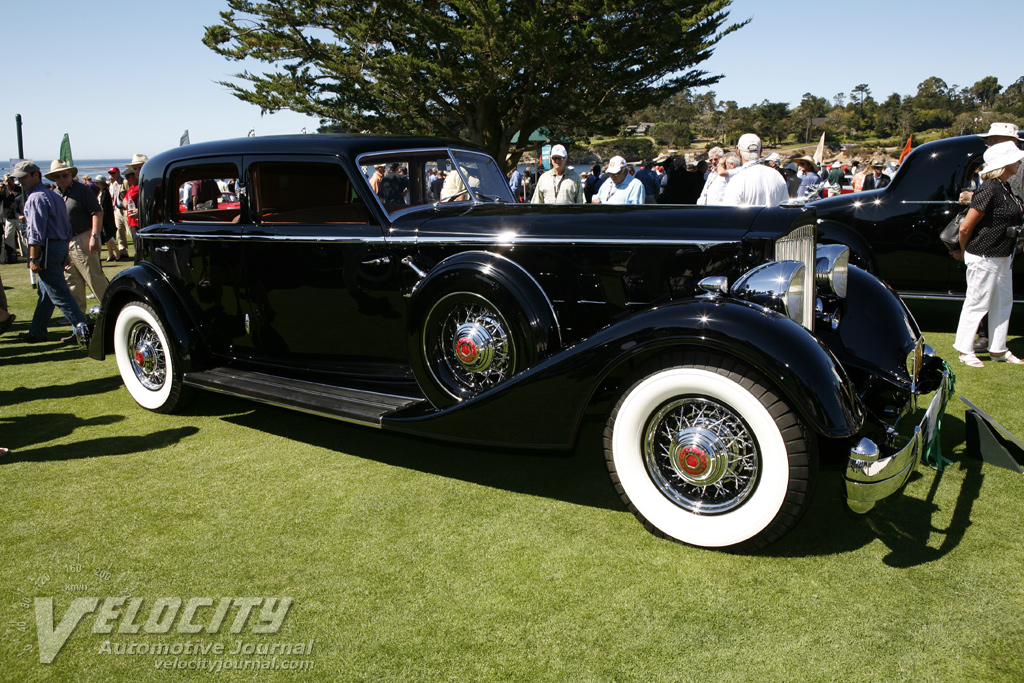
x=583, y=223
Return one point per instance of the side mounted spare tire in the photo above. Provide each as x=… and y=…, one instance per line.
x=703, y=451
x=472, y=328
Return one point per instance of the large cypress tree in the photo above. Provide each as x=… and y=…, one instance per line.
x=480, y=70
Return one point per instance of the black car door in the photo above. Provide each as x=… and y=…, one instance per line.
x=323, y=292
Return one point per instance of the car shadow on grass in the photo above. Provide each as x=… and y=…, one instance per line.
x=903, y=523
x=576, y=476
x=906, y=524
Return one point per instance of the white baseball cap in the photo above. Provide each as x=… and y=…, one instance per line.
x=616, y=165
x=749, y=143
x=559, y=151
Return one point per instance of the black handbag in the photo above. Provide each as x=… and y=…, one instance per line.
x=950, y=234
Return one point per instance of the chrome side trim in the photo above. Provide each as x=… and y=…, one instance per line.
x=507, y=241
x=502, y=241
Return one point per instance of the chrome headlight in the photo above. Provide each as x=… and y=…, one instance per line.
x=832, y=268
x=779, y=285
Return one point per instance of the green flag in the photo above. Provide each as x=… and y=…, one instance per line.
x=65, y=151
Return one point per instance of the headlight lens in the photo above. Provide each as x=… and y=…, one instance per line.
x=832, y=268
x=780, y=286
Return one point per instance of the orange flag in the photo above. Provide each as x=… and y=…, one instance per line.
x=906, y=149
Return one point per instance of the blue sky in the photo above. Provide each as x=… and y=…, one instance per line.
x=121, y=79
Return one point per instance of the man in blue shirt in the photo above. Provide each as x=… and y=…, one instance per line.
x=49, y=230
x=620, y=187
x=651, y=181
x=515, y=181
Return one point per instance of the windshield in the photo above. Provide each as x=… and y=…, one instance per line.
x=406, y=178
x=486, y=181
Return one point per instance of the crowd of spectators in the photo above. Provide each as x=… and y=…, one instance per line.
x=755, y=179
x=60, y=222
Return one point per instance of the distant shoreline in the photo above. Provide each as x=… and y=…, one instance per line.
x=84, y=166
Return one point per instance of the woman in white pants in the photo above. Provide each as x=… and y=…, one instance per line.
x=987, y=243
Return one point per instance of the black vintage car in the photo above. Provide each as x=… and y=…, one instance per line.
x=894, y=232
x=723, y=353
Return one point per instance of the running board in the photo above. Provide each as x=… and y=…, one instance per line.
x=340, y=403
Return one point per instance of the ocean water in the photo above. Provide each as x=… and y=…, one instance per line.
x=85, y=166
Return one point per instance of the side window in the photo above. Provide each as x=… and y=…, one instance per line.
x=972, y=181
x=404, y=179
x=205, y=193
x=305, y=192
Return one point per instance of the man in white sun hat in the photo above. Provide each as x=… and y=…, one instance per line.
x=560, y=185
x=86, y=229
x=1006, y=132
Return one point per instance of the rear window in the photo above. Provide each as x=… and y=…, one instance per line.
x=205, y=193
x=304, y=192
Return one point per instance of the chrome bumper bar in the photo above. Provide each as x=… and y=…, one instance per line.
x=870, y=476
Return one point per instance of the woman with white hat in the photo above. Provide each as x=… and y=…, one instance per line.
x=988, y=237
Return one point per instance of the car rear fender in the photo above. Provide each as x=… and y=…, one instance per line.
x=861, y=254
x=145, y=283
x=543, y=406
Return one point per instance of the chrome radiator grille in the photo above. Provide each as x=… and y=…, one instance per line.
x=799, y=245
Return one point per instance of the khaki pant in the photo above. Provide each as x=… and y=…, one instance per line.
x=84, y=268
x=121, y=221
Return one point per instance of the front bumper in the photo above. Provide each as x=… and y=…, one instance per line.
x=872, y=474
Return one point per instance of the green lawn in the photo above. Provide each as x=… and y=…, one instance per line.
x=413, y=560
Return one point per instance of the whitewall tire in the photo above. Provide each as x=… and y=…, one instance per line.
x=708, y=455
x=146, y=359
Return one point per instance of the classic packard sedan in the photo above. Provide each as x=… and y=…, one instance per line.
x=722, y=352
x=894, y=231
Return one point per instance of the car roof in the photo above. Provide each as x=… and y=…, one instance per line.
x=333, y=144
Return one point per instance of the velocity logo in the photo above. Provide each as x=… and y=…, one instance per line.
x=133, y=616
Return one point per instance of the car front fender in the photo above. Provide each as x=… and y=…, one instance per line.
x=543, y=406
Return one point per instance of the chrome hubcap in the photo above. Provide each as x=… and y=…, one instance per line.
x=700, y=455
x=474, y=346
x=147, y=356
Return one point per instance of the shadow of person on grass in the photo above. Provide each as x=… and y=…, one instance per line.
x=90, y=387
x=101, y=447
x=25, y=430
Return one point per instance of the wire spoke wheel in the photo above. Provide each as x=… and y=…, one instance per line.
x=468, y=345
x=475, y=347
x=701, y=455
x=148, y=356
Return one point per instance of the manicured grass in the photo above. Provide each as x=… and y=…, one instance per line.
x=414, y=560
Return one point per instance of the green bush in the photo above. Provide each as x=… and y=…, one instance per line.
x=672, y=134
x=631, y=149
